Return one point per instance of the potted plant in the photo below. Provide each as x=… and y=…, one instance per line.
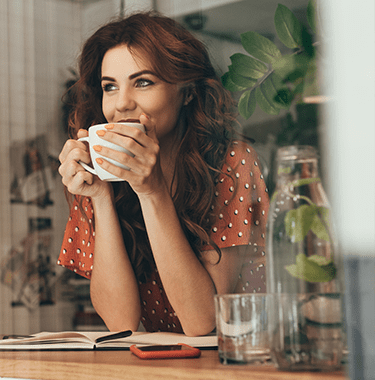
x=267, y=77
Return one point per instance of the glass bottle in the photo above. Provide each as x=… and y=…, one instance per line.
x=303, y=268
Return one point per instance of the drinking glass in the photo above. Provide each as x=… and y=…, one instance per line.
x=242, y=328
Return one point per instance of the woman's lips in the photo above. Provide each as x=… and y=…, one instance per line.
x=128, y=121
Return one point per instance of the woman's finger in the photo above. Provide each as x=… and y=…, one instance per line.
x=79, y=183
x=73, y=145
x=135, y=133
x=82, y=133
x=149, y=126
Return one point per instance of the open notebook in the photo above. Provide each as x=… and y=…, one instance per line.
x=74, y=340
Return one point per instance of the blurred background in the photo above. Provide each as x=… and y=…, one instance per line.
x=40, y=41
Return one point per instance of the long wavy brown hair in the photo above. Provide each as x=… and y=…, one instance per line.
x=175, y=56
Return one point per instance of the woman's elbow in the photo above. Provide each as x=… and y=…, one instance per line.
x=191, y=329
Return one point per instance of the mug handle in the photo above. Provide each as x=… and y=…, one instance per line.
x=88, y=168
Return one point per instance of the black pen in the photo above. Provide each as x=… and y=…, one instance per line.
x=17, y=336
x=122, y=334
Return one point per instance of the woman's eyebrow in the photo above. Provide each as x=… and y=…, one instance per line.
x=109, y=79
x=131, y=77
x=139, y=73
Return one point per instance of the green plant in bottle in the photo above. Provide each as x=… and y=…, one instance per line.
x=303, y=267
x=298, y=223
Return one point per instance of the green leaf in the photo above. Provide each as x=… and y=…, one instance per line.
x=248, y=66
x=305, y=181
x=240, y=80
x=291, y=67
x=309, y=270
x=266, y=104
x=320, y=223
x=320, y=260
x=311, y=15
x=288, y=28
x=284, y=170
x=308, y=42
x=311, y=82
x=326, y=264
x=247, y=104
x=294, y=76
x=229, y=84
x=331, y=270
x=284, y=66
x=298, y=89
x=298, y=222
x=260, y=47
x=270, y=91
x=283, y=96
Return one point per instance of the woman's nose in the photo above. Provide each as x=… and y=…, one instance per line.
x=125, y=101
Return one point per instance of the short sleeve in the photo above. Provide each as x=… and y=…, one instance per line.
x=157, y=313
x=77, y=248
x=240, y=211
x=242, y=200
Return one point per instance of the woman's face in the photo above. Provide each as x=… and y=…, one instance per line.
x=130, y=88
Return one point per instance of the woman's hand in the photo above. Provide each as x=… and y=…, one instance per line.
x=78, y=180
x=145, y=175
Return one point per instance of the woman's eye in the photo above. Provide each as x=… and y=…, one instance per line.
x=143, y=82
x=109, y=87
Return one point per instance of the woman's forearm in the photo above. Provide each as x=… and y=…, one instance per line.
x=188, y=285
x=114, y=290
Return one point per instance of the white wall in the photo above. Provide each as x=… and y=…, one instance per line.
x=96, y=13
x=38, y=44
x=351, y=124
x=40, y=40
x=350, y=159
x=175, y=8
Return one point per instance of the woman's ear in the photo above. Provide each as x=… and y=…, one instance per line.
x=189, y=95
x=188, y=99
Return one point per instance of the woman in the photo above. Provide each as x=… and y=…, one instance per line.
x=193, y=203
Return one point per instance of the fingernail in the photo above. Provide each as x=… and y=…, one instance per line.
x=97, y=148
x=109, y=126
x=99, y=161
x=100, y=132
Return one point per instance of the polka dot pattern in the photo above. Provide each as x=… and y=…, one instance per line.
x=77, y=248
x=241, y=209
x=241, y=214
x=157, y=313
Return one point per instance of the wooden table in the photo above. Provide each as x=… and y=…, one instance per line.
x=113, y=365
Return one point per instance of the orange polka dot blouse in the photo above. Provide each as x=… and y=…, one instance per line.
x=241, y=213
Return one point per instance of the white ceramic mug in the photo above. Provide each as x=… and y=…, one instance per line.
x=94, y=139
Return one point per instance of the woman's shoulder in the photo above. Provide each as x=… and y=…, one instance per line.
x=241, y=146
x=241, y=152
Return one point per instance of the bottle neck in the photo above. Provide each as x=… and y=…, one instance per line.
x=290, y=171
